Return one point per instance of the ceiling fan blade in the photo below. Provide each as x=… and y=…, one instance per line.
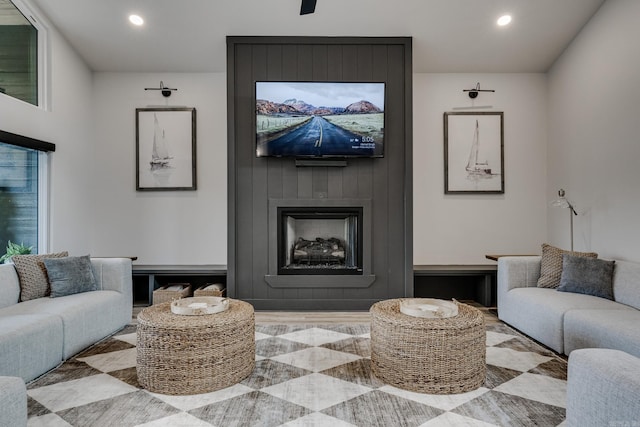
x=307, y=7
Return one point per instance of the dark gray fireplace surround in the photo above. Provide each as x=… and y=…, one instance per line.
x=362, y=280
x=379, y=188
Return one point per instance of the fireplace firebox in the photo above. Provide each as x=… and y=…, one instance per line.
x=319, y=240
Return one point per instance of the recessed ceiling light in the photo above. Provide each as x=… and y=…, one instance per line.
x=136, y=20
x=504, y=20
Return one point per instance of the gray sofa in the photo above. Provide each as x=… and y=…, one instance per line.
x=566, y=321
x=13, y=402
x=39, y=334
x=603, y=388
x=601, y=337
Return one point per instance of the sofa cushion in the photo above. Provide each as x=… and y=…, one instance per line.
x=32, y=273
x=30, y=343
x=602, y=389
x=9, y=285
x=617, y=329
x=539, y=312
x=589, y=276
x=13, y=401
x=626, y=283
x=551, y=265
x=70, y=275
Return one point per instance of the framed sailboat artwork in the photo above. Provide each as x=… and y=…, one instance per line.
x=165, y=149
x=474, y=152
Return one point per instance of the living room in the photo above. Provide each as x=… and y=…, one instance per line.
x=555, y=120
x=569, y=122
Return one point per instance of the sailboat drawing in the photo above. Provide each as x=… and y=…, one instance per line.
x=475, y=168
x=159, y=154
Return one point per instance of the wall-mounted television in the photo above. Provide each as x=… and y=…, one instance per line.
x=319, y=119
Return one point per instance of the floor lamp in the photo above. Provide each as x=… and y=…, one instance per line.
x=562, y=202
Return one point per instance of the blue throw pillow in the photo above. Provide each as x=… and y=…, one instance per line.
x=70, y=275
x=590, y=276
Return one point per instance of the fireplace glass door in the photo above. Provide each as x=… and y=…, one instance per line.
x=320, y=240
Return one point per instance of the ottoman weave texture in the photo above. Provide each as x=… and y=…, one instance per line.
x=436, y=356
x=195, y=354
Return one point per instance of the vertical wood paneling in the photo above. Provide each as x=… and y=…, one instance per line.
x=244, y=154
x=382, y=221
x=274, y=62
x=320, y=183
x=379, y=180
x=334, y=63
x=275, y=177
x=396, y=201
x=350, y=62
x=335, y=179
x=289, y=170
x=320, y=70
x=350, y=73
x=259, y=191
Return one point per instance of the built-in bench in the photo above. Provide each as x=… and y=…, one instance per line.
x=147, y=278
x=463, y=282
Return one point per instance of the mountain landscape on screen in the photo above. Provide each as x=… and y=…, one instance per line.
x=319, y=119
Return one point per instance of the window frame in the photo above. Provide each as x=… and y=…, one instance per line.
x=43, y=148
x=42, y=79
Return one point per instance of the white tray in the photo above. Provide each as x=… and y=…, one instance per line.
x=429, y=308
x=197, y=306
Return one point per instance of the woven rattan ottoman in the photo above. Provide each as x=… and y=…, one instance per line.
x=194, y=354
x=436, y=356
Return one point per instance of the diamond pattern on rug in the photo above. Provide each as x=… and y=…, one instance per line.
x=251, y=409
x=316, y=391
x=194, y=401
x=509, y=410
x=69, y=394
x=315, y=336
x=269, y=347
x=537, y=387
x=380, y=409
x=112, y=361
x=316, y=358
x=305, y=375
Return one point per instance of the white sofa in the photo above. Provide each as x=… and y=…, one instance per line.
x=603, y=388
x=13, y=402
x=601, y=337
x=566, y=321
x=39, y=334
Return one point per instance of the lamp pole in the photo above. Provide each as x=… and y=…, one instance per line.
x=564, y=203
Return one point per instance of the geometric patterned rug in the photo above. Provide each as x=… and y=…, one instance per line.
x=305, y=375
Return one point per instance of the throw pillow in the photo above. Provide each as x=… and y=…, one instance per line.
x=551, y=265
x=588, y=276
x=70, y=275
x=32, y=274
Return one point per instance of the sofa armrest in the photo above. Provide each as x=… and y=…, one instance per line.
x=603, y=388
x=13, y=402
x=518, y=272
x=113, y=274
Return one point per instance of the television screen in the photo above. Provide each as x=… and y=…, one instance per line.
x=319, y=119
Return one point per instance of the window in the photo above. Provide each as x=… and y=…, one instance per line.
x=23, y=191
x=21, y=50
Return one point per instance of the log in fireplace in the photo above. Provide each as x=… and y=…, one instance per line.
x=319, y=240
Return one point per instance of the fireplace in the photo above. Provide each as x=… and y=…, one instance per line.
x=319, y=240
x=319, y=243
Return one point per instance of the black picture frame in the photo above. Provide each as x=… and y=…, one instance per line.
x=166, y=149
x=474, y=152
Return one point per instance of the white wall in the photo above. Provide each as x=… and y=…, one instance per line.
x=462, y=229
x=594, y=134
x=159, y=227
x=67, y=123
